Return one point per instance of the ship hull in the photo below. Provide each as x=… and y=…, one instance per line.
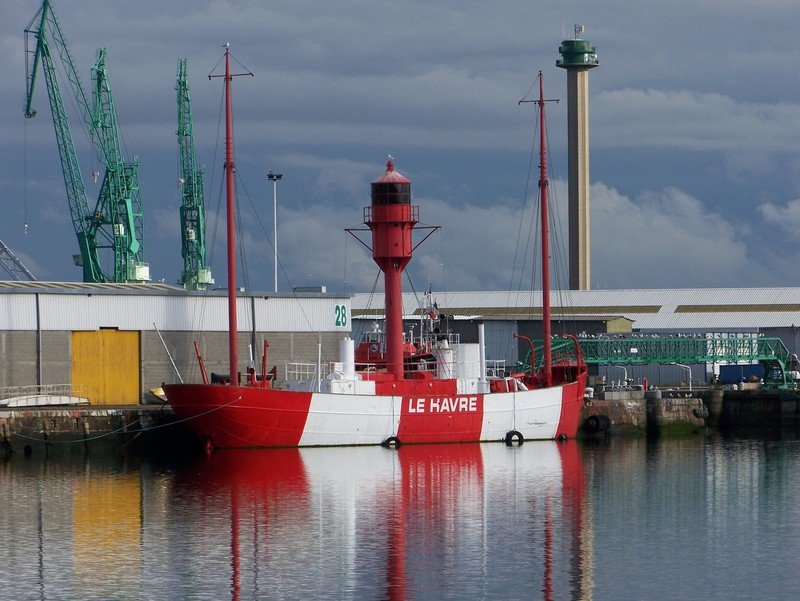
x=242, y=417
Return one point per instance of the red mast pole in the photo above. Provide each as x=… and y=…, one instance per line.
x=230, y=196
x=543, y=189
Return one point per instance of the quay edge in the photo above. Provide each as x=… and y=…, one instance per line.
x=63, y=430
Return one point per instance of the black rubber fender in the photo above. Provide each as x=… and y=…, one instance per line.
x=592, y=423
x=514, y=434
x=700, y=412
x=597, y=423
x=391, y=443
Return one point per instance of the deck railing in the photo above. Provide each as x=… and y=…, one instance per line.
x=8, y=392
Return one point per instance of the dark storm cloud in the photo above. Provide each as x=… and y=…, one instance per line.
x=693, y=117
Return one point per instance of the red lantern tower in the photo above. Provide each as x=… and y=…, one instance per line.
x=391, y=218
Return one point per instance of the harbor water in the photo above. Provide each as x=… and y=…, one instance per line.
x=701, y=517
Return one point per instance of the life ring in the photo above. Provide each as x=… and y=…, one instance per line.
x=510, y=436
x=391, y=443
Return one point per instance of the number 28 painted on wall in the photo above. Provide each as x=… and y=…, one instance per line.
x=341, y=316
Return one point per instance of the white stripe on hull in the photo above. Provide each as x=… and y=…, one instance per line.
x=533, y=413
x=348, y=419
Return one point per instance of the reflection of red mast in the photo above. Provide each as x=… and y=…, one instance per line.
x=396, y=550
x=276, y=479
x=548, y=548
x=432, y=479
x=573, y=495
x=391, y=219
x=235, y=586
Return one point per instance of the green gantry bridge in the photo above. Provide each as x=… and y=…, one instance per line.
x=642, y=349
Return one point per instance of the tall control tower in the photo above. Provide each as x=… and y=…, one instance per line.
x=577, y=57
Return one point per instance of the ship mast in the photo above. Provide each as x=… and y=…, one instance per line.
x=230, y=170
x=547, y=369
x=544, y=183
x=230, y=199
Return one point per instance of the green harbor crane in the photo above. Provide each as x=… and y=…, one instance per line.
x=196, y=275
x=115, y=226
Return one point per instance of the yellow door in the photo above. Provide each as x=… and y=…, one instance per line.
x=105, y=367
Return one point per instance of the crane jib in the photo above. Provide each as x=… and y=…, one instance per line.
x=118, y=216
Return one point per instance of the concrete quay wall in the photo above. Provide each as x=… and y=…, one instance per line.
x=755, y=407
x=65, y=430
x=638, y=411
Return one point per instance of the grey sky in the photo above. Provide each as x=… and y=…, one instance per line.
x=695, y=117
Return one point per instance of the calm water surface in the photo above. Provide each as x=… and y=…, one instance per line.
x=619, y=519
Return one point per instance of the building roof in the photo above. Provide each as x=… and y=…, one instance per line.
x=650, y=309
x=148, y=289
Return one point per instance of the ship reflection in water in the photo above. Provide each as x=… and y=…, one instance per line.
x=425, y=521
x=622, y=519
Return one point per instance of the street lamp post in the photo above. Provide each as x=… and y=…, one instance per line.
x=624, y=372
x=274, y=177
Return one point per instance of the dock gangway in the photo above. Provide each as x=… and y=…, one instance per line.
x=644, y=349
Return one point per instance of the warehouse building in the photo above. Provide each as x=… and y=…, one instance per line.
x=113, y=343
x=770, y=312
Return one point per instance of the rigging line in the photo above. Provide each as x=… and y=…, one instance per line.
x=87, y=439
x=216, y=140
x=240, y=232
x=216, y=220
x=240, y=64
x=442, y=247
x=532, y=248
x=413, y=291
x=525, y=97
x=256, y=215
x=217, y=65
x=515, y=264
x=561, y=266
x=344, y=274
x=374, y=288
x=283, y=270
x=217, y=217
x=127, y=430
x=260, y=222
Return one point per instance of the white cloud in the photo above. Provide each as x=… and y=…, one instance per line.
x=785, y=218
x=665, y=239
x=696, y=96
x=692, y=120
x=662, y=240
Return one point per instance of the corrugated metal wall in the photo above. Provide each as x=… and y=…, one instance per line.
x=105, y=345
x=69, y=312
x=18, y=312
